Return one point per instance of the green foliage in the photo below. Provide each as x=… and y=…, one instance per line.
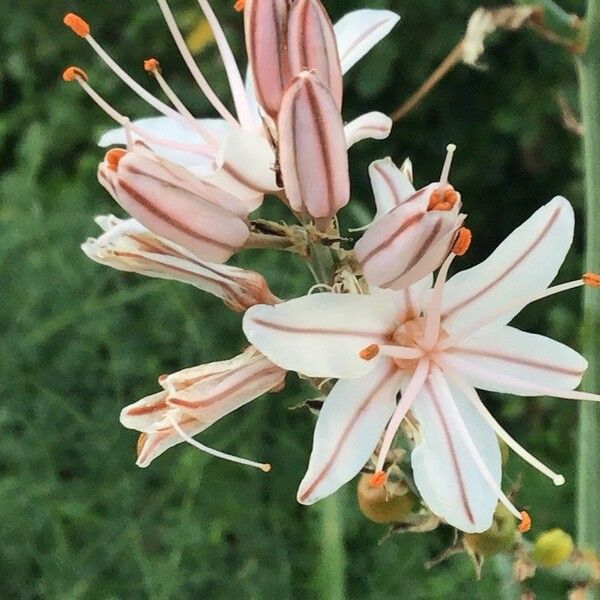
x=79, y=341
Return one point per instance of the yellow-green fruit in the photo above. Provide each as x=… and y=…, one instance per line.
x=498, y=538
x=552, y=548
x=381, y=506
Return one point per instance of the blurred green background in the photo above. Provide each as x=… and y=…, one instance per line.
x=78, y=341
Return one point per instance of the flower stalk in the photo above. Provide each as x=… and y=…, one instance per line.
x=589, y=426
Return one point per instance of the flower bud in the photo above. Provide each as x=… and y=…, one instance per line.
x=173, y=204
x=265, y=24
x=498, y=538
x=129, y=246
x=552, y=548
x=383, y=504
x=312, y=45
x=312, y=146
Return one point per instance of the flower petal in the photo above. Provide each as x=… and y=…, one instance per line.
x=406, y=244
x=145, y=413
x=245, y=167
x=209, y=398
x=373, y=125
x=409, y=300
x=312, y=46
x=313, y=154
x=360, y=30
x=174, y=131
x=160, y=200
x=526, y=356
x=391, y=187
x=321, y=335
x=348, y=430
x=445, y=472
x=525, y=262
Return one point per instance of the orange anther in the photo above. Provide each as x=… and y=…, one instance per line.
x=77, y=24
x=525, y=524
x=443, y=201
x=239, y=5
x=378, y=479
x=72, y=73
x=141, y=441
x=463, y=241
x=112, y=158
x=591, y=279
x=151, y=65
x=370, y=352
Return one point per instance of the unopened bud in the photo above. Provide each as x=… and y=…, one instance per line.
x=552, y=548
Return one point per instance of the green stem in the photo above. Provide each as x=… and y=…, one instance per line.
x=332, y=569
x=589, y=424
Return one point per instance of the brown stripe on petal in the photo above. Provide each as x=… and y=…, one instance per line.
x=518, y=360
x=452, y=453
x=388, y=180
x=538, y=240
x=389, y=240
x=139, y=411
x=345, y=433
x=380, y=335
x=210, y=400
x=140, y=199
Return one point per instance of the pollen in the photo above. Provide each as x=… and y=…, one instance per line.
x=151, y=65
x=239, y=5
x=378, y=479
x=72, y=73
x=113, y=156
x=140, y=444
x=591, y=279
x=77, y=24
x=463, y=241
x=443, y=200
x=370, y=352
x=525, y=524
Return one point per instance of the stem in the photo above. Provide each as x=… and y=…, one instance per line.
x=332, y=569
x=588, y=515
x=556, y=19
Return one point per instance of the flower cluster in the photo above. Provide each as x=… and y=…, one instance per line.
x=406, y=351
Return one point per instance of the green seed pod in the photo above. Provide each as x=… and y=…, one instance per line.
x=498, y=538
x=383, y=504
x=552, y=548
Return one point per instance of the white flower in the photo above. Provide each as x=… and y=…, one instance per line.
x=434, y=345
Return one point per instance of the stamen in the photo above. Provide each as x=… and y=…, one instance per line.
x=463, y=241
x=410, y=393
x=266, y=467
x=450, y=149
x=442, y=385
x=72, y=73
x=443, y=200
x=152, y=66
x=401, y=352
x=378, y=479
x=525, y=524
x=592, y=279
x=140, y=444
x=239, y=5
x=192, y=66
x=434, y=312
x=123, y=121
x=514, y=304
x=370, y=352
x=76, y=24
x=476, y=401
x=113, y=156
x=234, y=77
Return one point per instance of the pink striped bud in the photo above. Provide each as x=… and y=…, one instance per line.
x=127, y=245
x=313, y=47
x=265, y=24
x=312, y=149
x=175, y=205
